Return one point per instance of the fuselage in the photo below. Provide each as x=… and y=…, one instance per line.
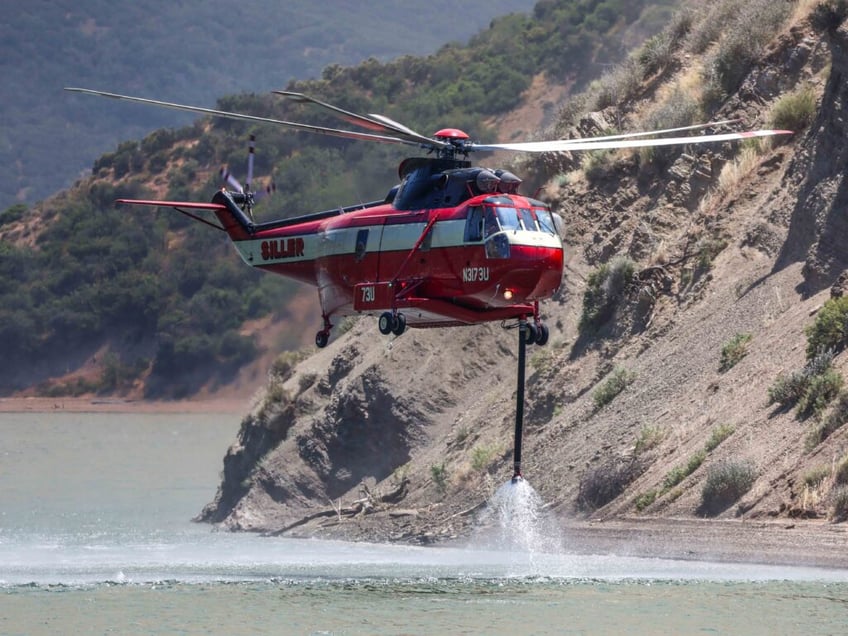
x=492, y=251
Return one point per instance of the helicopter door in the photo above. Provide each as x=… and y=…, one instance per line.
x=474, y=225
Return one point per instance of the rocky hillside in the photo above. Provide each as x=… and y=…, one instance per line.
x=647, y=402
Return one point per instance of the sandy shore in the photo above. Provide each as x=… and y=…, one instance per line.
x=783, y=542
x=234, y=405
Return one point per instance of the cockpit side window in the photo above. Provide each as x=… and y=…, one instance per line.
x=474, y=225
x=546, y=222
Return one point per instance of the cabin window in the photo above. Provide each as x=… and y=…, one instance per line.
x=474, y=225
x=361, y=244
x=497, y=246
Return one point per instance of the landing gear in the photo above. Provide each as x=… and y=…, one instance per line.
x=391, y=323
x=400, y=324
x=535, y=333
x=384, y=324
x=323, y=336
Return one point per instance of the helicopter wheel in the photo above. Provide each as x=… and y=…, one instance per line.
x=322, y=338
x=531, y=333
x=399, y=324
x=542, y=334
x=386, y=323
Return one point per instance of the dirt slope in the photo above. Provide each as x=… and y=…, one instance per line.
x=405, y=439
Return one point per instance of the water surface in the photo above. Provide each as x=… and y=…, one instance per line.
x=96, y=537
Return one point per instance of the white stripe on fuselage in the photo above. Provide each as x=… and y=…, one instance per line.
x=400, y=237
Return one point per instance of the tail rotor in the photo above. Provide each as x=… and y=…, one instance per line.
x=248, y=197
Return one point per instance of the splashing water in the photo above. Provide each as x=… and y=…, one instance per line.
x=516, y=519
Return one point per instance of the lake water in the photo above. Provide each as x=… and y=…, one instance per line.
x=96, y=538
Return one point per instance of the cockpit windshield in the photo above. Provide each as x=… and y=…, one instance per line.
x=487, y=220
x=508, y=218
x=527, y=220
x=546, y=221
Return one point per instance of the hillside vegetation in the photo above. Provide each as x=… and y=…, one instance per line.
x=697, y=365
x=152, y=304
x=192, y=52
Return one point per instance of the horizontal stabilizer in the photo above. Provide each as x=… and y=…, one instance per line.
x=191, y=205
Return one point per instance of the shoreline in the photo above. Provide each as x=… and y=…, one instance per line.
x=785, y=542
x=231, y=405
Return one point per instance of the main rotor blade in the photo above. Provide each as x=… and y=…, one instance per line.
x=656, y=132
x=378, y=123
x=564, y=145
x=320, y=130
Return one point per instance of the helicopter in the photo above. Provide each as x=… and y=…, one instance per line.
x=451, y=244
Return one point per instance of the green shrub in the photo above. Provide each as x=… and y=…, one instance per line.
x=815, y=476
x=13, y=213
x=708, y=250
x=840, y=473
x=733, y=351
x=649, y=437
x=839, y=503
x=597, y=164
x=645, y=499
x=482, y=457
x=679, y=473
x=616, y=85
x=741, y=43
x=656, y=53
x=788, y=390
x=794, y=111
x=440, y=477
x=718, y=435
x=680, y=108
x=830, y=328
x=602, y=483
x=821, y=391
x=832, y=422
x=726, y=482
x=616, y=382
x=703, y=32
x=604, y=289
x=284, y=364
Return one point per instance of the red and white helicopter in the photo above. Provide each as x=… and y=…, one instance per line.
x=452, y=244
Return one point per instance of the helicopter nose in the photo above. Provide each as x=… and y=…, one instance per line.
x=536, y=275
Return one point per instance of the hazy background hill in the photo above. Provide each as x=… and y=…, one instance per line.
x=192, y=52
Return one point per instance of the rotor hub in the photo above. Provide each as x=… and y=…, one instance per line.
x=451, y=135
